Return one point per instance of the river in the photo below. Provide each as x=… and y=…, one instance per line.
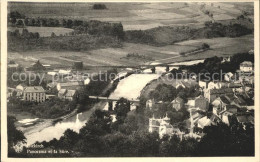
x=56, y=131
x=129, y=88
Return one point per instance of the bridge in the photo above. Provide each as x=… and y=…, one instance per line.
x=133, y=103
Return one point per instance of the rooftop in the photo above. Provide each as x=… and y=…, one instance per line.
x=38, y=89
x=221, y=91
x=246, y=63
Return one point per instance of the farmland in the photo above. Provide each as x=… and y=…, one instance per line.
x=135, y=16
x=117, y=56
x=174, y=25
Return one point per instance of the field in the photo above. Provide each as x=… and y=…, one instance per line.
x=44, y=31
x=117, y=56
x=105, y=56
x=135, y=16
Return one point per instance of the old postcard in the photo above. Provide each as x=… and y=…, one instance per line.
x=86, y=80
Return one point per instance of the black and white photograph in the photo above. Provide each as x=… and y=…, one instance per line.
x=130, y=79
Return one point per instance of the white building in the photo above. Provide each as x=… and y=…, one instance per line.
x=246, y=66
x=162, y=126
x=36, y=93
x=228, y=76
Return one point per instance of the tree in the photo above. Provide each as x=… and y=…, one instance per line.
x=20, y=23
x=118, y=30
x=98, y=124
x=53, y=34
x=205, y=46
x=122, y=107
x=14, y=136
x=163, y=92
x=99, y=6
x=68, y=139
x=222, y=140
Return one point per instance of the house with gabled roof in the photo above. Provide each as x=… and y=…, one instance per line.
x=67, y=94
x=73, y=85
x=212, y=94
x=246, y=66
x=177, y=103
x=202, y=103
x=163, y=127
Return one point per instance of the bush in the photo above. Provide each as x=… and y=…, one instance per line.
x=99, y=6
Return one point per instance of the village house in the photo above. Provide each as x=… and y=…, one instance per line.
x=226, y=117
x=73, y=85
x=212, y=94
x=246, y=78
x=225, y=59
x=203, y=122
x=236, y=87
x=177, y=103
x=229, y=77
x=251, y=51
x=223, y=103
x=203, y=84
x=219, y=104
x=67, y=94
x=150, y=103
x=12, y=66
x=216, y=85
x=246, y=66
x=37, y=66
x=64, y=72
x=163, y=127
x=35, y=93
x=202, y=103
x=246, y=118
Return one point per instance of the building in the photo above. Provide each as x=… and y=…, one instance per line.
x=163, y=127
x=203, y=84
x=226, y=117
x=64, y=72
x=246, y=78
x=73, y=85
x=36, y=94
x=67, y=94
x=177, y=103
x=243, y=119
x=212, y=94
x=216, y=85
x=229, y=77
x=37, y=66
x=203, y=122
x=150, y=103
x=225, y=59
x=12, y=66
x=224, y=104
x=202, y=103
x=220, y=103
x=251, y=51
x=246, y=66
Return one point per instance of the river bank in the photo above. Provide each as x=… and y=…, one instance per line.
x=44, y=123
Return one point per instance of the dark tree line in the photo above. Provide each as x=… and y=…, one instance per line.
x=92, y=27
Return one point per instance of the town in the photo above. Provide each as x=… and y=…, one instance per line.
x=229, y=101
x=131, y=80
